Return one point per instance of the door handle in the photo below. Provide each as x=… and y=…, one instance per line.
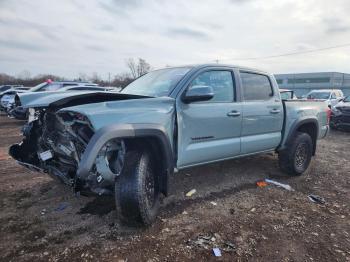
x=275, y=111
x=233, y=113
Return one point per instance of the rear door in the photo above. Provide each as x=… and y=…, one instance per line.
x=262, y=113
x=210, y=130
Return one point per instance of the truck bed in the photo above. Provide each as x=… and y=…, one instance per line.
x=297, y=110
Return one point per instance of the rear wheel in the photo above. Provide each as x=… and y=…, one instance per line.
x=295, y=159
x=137, y=194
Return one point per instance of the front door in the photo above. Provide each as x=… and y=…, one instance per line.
x=210, y=130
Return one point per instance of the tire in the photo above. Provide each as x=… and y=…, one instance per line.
x=137, y=194
x=295, y=159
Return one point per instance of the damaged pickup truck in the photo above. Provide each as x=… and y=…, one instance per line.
x=129, y=144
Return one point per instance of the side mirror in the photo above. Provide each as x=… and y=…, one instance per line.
x=198, y=93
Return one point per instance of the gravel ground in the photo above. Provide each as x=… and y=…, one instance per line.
x=42, y=220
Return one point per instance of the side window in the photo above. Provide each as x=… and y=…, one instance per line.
x=221, y=82
x=256, y=86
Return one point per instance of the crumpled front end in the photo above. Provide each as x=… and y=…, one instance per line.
x=55, y=142
x=340, y=117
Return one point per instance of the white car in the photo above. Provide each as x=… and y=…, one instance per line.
x=8, y=97
x=330, y=96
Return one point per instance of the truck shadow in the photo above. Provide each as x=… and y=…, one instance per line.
x=211, y=182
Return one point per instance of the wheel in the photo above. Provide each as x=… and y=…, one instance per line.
x=137, y=194
x=295, y=159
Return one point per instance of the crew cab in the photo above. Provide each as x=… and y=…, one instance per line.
x=129, y=144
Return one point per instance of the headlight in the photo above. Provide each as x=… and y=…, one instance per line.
x=32, y=117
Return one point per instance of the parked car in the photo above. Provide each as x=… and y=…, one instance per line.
x=287, y=94
x=331, y=96
x=4, y=88
x=50, y=85
x=129, y=144
x=8, y=95
x=340, y=117
x=22, y=113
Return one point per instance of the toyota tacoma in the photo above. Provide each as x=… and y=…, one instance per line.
x=129, y=144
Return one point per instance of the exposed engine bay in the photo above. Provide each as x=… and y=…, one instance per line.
x=55, y=142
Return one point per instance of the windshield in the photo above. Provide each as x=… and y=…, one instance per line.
x=347, y=99
x=4, y=88
x=37, y=87
x=319, y=95
x=156, y=83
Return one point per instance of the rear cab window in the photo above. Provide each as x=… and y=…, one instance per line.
x=256, y=87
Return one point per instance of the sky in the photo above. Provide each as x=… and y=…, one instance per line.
x=73, y=37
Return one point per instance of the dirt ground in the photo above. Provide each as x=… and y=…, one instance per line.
x=43, y=220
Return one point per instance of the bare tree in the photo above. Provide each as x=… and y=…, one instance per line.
x=138, y=68
x=82, y=77
x=143, y=67
x=130, y=62
x=94, y=77
x=24, y=75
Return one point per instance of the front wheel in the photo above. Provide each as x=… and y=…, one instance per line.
x=295, y=159
x=137, y=194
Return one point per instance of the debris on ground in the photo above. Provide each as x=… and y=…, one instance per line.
x=261, y=183
x=211, y=240
x=316, y=199
x=213, y=203
x=217, y=252
x=191, y=192
x=285, y=186
x=62, y=206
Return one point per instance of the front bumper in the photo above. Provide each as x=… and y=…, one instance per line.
x=340, y=120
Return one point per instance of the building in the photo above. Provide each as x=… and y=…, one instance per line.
x=303, y=83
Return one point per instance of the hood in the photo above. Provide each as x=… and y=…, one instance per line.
x=343, y=104
x=43, y=99
x=156, y=110
x=59, y=99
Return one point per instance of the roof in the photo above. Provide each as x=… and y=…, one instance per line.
x=200, y=66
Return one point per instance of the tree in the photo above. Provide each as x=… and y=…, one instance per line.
x=95, y=77
x=138, y=68
x=122, y=80
x=24, y=75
